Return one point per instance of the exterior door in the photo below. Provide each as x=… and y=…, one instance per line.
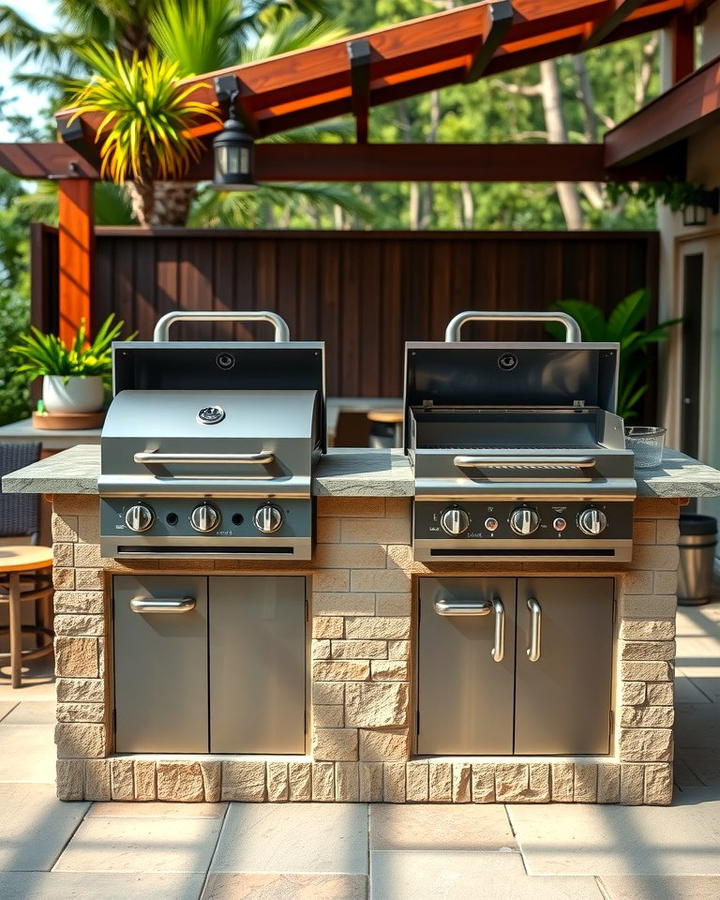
x=466, y=664
x=564, y=666
x=257, y=664
x=160, y=660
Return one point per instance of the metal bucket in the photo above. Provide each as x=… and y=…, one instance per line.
x=698, y=539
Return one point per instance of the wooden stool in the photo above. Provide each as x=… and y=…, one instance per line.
x=385, y=427
x=26, y=574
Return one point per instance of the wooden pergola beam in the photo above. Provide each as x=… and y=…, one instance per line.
x=501, y=17
x=76, y=254
x=360, y=56
x=617, y=12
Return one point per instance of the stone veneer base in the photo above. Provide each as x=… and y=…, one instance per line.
x=361, y=591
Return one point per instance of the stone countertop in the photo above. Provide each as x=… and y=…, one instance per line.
x=353, y=472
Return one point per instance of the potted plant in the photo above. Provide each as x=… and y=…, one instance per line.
x=73, y=376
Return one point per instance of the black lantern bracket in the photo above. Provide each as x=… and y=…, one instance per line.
x=696, y=210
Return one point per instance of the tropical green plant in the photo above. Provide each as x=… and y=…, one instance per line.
x=47, y=354
x=623, y=325
x=14, y=393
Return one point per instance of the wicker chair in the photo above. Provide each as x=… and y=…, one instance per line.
x=25, y=568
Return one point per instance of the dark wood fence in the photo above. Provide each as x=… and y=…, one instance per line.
x=364, y=293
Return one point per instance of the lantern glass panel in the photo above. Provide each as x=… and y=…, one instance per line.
x=232, y=160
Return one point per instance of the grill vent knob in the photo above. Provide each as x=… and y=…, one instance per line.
x=524, y=521
x=268, y=518
x=205, y=518
x=592, y=521
x=455, y=522
x=139, y=518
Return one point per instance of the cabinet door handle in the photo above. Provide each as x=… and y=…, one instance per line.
x=533, y=651
x=143, y=605
x=498, y=651
x=446, y=607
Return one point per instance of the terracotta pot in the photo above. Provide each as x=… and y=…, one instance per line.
x=74, y=394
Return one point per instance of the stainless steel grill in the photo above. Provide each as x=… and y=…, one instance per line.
x=208, y=448
x=517, y=449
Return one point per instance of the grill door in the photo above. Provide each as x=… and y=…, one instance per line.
x=257, y=664
x=465, y=696
x=160, y=633
x=562, y=700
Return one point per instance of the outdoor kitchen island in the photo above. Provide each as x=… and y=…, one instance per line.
x=361, y=641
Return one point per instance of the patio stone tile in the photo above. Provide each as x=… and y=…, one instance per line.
x=37, y=712
x=27, y=753
x=140, y=845
x=683, y=775
x=284, y=887
x=34, y=827
x=72, y=886
x=118, y=809
x=622, y=840
x=435, y=827
x=462, y=875
x=686, y=691
x=38, y=681
x=696, y=725
x=690, y=887
x=294, y=838
x=704, y=762
x=6, y=707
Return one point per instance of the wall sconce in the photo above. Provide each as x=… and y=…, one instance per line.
x=696, y=211
x=233, y=147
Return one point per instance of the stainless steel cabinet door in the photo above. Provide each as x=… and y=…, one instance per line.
x=160, y=662
x=466, y=665
x=257, y=664
x=564, y=665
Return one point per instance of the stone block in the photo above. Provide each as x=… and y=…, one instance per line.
x=80, y=712
x=242, y=780
x=328, y=626
x=88, y=529
x=97, y=779
x=389, y=670
x=662, y=694
x=394, y=782
x=341, y=670
x=644, y=531
x=327, y=531
x=647, y=651
x=343, y=604
x=79, y=602
x=665, y=583
x=70, y=779
x=351, y=507
x=647, y=629
x=483, y=783
x=80, y=690
x=79, y=625
x=350, y=556
x=63, y=578
x=585, y=784
x=278, y=784
x=328, y=693
x=371, y=531
x=367, y=649
x=393, y=604
x=634, y=582
x=76, y=505
x=335, y=743
x=668, y=531
x=538, y=783
x=646, y=744
x=632, y=780
x=658, y=784
x=122, y=779
x=89, y=579
x=323, y=782
x=370, y=782
x=330, y=580
x=384, y=581
x=212, y=776
x=328, y=716
x=145, y=781
x=320, y=649
x=378, y=627
x=64, y=528
x=649, y=606
x=562, y=777
x=181, y=782
x=400, y=556
x=376, y=705
x=647, y=716
x=63, y=554
x=300, y=781
x=75, y=741
x=461, y=782
x=87, y=556
x=347, y=786
x=608, y=783
x=397, y=507
x=655, y=508
x=398, y=649
x=645, y=671
x=416, y=782
x=383, y=745
x=633, y=693
x=511, y=782
x=440, y=776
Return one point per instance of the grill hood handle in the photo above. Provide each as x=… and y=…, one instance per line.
x=573, y=335
x=162, y=329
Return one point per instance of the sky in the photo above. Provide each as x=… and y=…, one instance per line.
x=42, y=14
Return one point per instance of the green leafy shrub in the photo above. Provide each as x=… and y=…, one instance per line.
x=14, y=390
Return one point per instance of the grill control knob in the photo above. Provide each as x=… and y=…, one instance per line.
x=205, y=518
x=491, y=524
x=268, y=518
x=592, y=521
x=139, y=518
x=524, y=521
x=455, y=522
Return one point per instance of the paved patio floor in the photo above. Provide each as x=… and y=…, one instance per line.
x=312, y=851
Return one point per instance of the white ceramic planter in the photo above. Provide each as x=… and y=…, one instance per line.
x=76, y=394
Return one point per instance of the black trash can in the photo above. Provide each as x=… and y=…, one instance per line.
x=698, y=539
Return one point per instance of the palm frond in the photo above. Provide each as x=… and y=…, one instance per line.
x=290, y=32
x=197, y=34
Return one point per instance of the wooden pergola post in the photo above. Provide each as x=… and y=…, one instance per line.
x=76, y=253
